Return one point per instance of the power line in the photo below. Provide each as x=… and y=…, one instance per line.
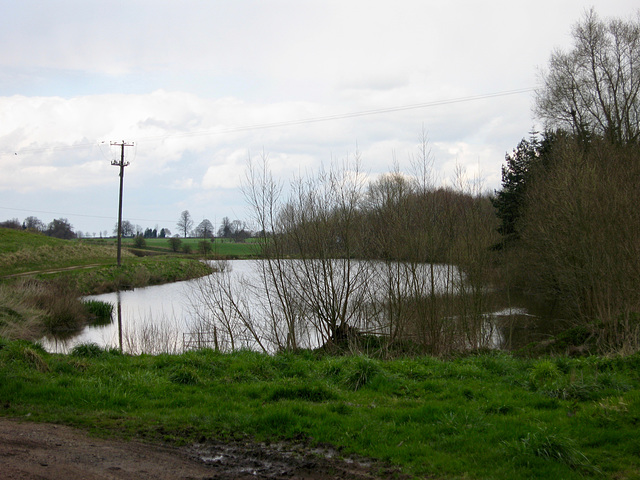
x=67, y=214
x=341, y=116
x=289, y=123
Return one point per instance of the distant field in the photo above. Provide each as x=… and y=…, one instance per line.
x=222, y=247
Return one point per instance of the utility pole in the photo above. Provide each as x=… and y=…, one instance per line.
x=120, y=164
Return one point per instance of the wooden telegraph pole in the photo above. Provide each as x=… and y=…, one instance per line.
x=120, y=164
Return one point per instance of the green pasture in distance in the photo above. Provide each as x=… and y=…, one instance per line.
x=220, y=246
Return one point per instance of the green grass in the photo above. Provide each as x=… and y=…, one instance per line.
x=13, y=240
x=220, y=247
x=22, y=252
x=135, y=272
x=488, y=416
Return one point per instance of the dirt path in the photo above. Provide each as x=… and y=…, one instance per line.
x=30, y=451
x=54, y=270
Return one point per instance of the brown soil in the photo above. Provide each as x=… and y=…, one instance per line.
x=30, y=451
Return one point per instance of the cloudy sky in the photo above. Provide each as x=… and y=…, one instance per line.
x=199, y=86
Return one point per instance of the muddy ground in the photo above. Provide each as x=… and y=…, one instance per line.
x=30, y=451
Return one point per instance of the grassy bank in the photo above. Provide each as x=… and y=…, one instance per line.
x=22, y=252
x=488, y=416
x=134, y=273
x=42, y=278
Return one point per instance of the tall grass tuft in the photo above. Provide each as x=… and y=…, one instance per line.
x=27, y=353
x=91, y=350
x=19, y=317
x=54, y=304
x=543, y=374
x=547, y=445
x=100, y=312
x=309, y=393
x=361, y=371
x=184, y=375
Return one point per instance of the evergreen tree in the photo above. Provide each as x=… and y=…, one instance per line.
x=528, y=157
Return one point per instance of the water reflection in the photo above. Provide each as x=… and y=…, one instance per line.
x=164, y=319
x=142, y=317
x=119, y=314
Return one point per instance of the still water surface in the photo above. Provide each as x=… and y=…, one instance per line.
x=159, y=319
x=167, y=307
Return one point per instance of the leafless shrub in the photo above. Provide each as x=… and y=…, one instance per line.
x=226, y=312
x=152, y=336
x=398, y=258
x=580, y=241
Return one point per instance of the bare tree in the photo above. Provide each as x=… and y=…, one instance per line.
x=60, y=228
x=236, y=230
x=185, y=223
x=284, y=314
x=33, y=223
x=128, y=229
x=13, y=223
x=225, y=310
x=593, y=89
x=319, y=225
x=581, y=250
x=204, y=229
x=339, y=259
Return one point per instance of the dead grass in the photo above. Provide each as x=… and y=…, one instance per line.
x=30, y=308
x=19, y=318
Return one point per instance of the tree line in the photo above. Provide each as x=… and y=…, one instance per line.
x=58, y=228
x=406, y=259
x=569, y=220
x=235, y=230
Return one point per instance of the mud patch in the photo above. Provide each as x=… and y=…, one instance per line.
x=285, y=460
x=30, y=451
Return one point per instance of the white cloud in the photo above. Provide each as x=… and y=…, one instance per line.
x=227, y=174
x=183, y=184
x=182, y=80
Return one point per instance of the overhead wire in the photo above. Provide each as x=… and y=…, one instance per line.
x=81, y=215
x=261, y=126
x=287, y=123
x=342, y=116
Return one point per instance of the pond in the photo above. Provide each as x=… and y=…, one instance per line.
x=151, y=319
x=170, y=318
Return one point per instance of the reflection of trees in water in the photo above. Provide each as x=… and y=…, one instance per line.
x=364, y=257
x=263, y=311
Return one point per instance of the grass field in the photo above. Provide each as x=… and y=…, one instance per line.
x=13, y=240
x=26, y=251
x=219, y=247
x=486, y=416
x=22, y=252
